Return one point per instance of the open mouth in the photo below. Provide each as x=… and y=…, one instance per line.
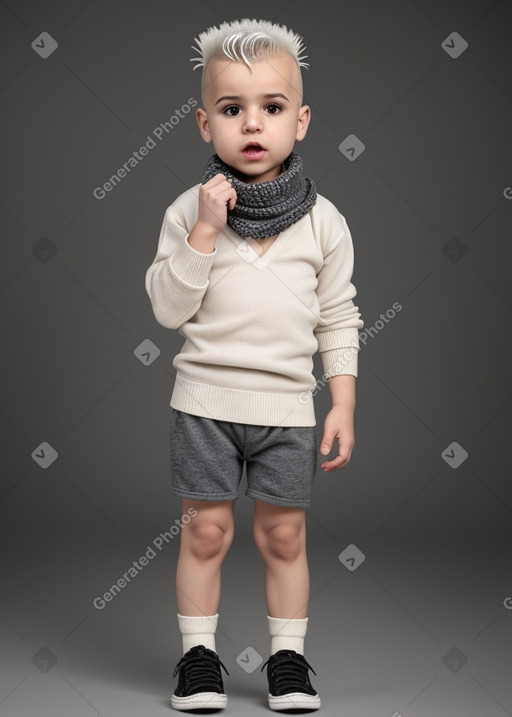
x=254, y=150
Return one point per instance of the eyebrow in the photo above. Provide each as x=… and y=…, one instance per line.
x=269, y=95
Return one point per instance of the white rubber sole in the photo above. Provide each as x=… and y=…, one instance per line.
x=201, y=700
x=294, y=700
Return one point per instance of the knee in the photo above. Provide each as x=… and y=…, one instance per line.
x=284, y=541
x=208, y=539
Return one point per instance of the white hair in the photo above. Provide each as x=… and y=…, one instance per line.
x=247, y=40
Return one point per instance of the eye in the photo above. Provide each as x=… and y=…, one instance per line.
x=278, y=107
x=231, y=107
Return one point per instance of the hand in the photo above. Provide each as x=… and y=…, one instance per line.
x=339, y=423
x=215, y=196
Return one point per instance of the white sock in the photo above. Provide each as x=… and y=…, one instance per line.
x=287, y=634
x=198, y=631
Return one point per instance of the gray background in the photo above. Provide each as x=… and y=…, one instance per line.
x=423, y=626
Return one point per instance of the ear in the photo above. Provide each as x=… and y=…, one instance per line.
x=303, y=122
x=202, y=121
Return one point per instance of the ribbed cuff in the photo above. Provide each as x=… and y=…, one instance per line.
x=198, y=630
x=338, y=362
x=287, y=634
x=334, y=338
x=191, y=266
x=201, y=623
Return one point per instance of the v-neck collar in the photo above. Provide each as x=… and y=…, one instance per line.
x=249, y=243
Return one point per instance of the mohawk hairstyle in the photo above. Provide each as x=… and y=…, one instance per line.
x=247, y=40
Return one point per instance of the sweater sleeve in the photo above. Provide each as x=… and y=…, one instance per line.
x=337, y=329
x=177, y=279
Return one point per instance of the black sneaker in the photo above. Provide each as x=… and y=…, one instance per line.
x=288, y=682
x=200, y=681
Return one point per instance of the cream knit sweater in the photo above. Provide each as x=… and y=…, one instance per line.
x=252, y=323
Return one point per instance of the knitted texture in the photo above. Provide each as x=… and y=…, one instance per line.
x=263, y=209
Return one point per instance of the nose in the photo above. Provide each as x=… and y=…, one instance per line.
x=253, y=120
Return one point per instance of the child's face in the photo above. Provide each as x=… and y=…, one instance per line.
x=274, y=122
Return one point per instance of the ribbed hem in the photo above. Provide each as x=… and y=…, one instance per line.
x=190, y=266
x=239, y=406
x=287, y=634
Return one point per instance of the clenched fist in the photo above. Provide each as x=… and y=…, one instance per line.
x=216, y=196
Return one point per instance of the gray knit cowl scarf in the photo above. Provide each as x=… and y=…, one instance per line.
x=263, y=209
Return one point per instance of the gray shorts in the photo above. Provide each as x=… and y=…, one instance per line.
x=207, y=457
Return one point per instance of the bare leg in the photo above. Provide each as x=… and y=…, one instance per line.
x=204, y=542
x=280, y=536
